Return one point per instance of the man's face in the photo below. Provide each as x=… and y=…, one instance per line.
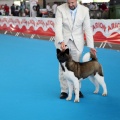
x=72, y=4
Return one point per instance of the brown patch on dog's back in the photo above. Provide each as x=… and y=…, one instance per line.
x=83, y=70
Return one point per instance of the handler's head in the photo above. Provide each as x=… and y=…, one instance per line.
x=72, y=4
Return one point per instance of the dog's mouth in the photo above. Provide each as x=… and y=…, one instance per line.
x=62, y=60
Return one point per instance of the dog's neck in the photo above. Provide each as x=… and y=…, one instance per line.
x=63, y=66
x=67, y=63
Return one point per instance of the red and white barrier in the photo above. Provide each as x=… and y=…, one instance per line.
x=29, y=25
x=103, y=30
x=106, y=30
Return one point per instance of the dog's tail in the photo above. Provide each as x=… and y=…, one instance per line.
x=87, y=57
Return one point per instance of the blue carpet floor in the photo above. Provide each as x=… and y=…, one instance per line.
x=29, y=86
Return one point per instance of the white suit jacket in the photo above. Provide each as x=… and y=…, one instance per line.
x=64, y=28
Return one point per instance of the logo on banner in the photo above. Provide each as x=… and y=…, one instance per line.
x=99, y=25
x=113, y=26
x=106, y=28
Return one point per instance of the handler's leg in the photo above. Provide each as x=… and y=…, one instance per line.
x=63, y=84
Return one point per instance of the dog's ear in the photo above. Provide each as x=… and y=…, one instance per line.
x=58, y=51
x=67, y=51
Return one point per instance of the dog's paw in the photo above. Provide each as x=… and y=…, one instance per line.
x=68, y=98
x=104, y=94
x=76, y=100
x=95, y=92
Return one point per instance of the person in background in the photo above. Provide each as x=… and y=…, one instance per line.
x=13, y=9
x=22, y=8
x=54, y=9
x=96, y=6
x=27, y=12
x=48, y=9
x=38, y=9
x=6, y=9
x=1, y=11
x=91, y=6
x=103, y=6
x=69, y=30
x=17, y=10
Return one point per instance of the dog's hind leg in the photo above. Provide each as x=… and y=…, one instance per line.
x=70, y=87
x=101, y=81
x=95, y=82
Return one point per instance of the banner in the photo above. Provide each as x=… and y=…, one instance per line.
x=29, y=25
x=103, y=30
x=106, y=30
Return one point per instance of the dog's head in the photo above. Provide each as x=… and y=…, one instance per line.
x=63, y=56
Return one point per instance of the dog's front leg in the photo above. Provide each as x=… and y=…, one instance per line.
x=76, y=89
x=70, y=88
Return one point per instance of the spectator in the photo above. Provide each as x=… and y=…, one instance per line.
x=13, y=9
x=17, y=9
x=103, y=6
x=27, y=13
x=22, y=7
x=6, y=9
x=38, y=9
x=1, y=11
x=91, y=6
x=48, y=9
x=96, y=7
x=54, y=9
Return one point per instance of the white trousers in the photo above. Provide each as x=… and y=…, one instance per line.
x=75, y=53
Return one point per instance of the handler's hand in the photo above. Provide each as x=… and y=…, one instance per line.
x=93, y=51
x=63, y=46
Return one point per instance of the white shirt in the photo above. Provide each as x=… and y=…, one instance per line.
x=91, y=7
x=54, y=8
x=2, y=11
x=73, y=15
x=48, y=8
